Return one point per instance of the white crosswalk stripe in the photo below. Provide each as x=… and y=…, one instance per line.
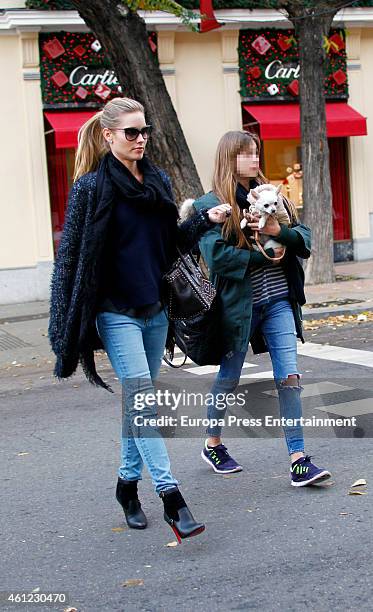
x=316, y=389
x=202, y=370
x=349, y=409
x=336, y=353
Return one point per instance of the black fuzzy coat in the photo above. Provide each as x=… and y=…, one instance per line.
x=76, y=277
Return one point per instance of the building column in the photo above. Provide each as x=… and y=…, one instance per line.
x=362, y=231
x=166, y=57
x=35, y=146
x=232, y=98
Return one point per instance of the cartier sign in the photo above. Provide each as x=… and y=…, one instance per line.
x=84, y=75
x=277, y=70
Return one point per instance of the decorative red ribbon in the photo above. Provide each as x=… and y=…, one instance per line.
x=209, y=22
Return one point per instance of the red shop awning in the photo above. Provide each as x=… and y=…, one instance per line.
x=66, y=127
x=282, y=121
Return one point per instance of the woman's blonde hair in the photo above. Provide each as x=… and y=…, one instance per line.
x=92, y=145
x=225, y=179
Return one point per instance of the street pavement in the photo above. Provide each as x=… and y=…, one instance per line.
x=267, y=545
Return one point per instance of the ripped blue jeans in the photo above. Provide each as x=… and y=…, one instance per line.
x=276, y=321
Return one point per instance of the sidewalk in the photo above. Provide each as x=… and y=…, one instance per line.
x=24, y=326
x=352, y=292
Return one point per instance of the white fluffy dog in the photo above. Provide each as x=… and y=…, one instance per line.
x=266, y=200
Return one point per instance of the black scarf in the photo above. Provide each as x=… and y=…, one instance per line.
x=116, y=182
x=242, y=193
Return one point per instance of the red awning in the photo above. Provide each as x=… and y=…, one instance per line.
x=66, y=127
x=282, y=121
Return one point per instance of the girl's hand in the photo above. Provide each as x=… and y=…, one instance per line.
x=271, y=228
x=218, y=214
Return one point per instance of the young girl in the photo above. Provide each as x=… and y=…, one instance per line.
x=120, y=237
x=260, y=299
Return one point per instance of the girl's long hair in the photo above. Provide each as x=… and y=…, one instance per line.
x=92, y=145
x=225, y=179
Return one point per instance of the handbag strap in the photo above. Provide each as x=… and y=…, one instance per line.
x=184, y=260
x=172, y=365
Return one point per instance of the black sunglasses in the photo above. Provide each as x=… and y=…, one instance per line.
x=132, y=133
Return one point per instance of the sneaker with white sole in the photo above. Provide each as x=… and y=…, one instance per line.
x=303, y=473
x=219, y=459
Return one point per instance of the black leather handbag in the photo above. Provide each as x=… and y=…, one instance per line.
x=200, y=338
x=188, y=292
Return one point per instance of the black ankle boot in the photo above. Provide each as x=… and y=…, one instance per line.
x=126, y=495
x=178, y=515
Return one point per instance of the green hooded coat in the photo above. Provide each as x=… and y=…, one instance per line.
x=229, y=269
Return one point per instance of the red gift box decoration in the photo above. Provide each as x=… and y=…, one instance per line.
x=59, y=78
x=102, y=91
x=53, y=48
x=293, y=87
x=81, y=92
x=261, y=45
x=255, y=72
x=79, y=50
x=339, y=77
x=337, y=43
x=283, y=42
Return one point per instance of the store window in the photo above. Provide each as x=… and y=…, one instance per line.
x=282, y=164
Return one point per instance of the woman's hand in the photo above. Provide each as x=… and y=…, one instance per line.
x=218, y=214
x=271, y=228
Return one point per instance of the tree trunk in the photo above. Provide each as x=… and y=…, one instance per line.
x=317, y=195
x=125, y=40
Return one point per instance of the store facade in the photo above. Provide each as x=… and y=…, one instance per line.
x=269, y=79
x=58, y=76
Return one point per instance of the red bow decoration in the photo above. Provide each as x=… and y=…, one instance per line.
x=208, y=22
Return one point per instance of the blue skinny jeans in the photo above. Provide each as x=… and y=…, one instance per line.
x=135, y=348
x=277, y=325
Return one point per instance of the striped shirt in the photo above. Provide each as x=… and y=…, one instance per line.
x=268, y=283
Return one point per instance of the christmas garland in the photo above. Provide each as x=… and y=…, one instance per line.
x=69, y=57
x=275, y=53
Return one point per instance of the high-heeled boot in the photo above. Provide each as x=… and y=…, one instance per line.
x=178, y=515
x=126, y=495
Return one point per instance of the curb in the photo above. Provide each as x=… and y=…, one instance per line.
x=323, y=313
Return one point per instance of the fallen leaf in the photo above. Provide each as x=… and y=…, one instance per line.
x=171, y=544
x=117, y=529
x=359, y=482
x=357, y=492
x=133, y=582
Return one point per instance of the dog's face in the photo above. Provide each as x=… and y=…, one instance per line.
x=267, y=203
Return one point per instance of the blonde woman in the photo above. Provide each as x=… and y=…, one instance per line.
x=120, y=236
x=260, y=299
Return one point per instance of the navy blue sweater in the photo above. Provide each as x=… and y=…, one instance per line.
x=140, y=248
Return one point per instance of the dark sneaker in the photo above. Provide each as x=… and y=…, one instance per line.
x=219, y=459
x=303, y=473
